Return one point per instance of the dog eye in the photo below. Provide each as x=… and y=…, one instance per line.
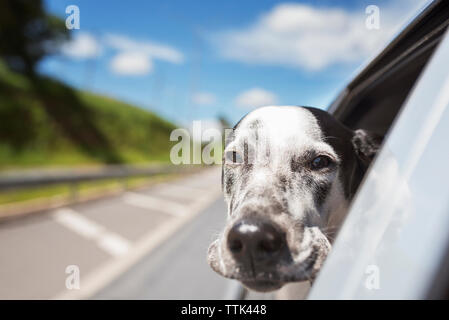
x=321, y=162
x=233, y=157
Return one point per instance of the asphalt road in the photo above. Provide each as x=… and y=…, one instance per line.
x=149, y=243
x=177, y=269
x=145, y=244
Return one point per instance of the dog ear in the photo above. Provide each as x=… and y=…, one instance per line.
x=366, y=145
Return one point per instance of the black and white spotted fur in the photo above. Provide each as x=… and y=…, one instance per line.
x=267, y=176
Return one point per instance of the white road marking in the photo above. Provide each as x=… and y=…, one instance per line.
x=182, y=188
x=149, y=202
x=110, y=242
x=106, y=273
x=180, y=191
x=77, y=223
x=114, y=244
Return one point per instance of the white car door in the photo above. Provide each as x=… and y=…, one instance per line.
x=396, y=236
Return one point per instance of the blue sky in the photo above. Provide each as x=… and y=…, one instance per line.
x=191, y=60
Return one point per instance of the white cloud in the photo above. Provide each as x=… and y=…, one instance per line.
x=204, y=98
x=82, y=46
x=131, y=63
x=312, y=38
x=255, y=97
x=151, y=49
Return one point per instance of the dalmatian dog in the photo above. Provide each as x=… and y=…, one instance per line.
x=288, y=176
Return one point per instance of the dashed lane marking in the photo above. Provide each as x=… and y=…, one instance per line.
x=110, y=242
x=106, y=273
x=149, y=202
x=182, y=188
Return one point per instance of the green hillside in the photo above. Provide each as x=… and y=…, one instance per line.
x=44, y=122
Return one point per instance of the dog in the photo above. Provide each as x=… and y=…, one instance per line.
x=288, y=176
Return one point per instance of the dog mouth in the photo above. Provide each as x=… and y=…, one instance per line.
x=273, y=279
x=288, y=264
x=270, y=281
x=291, y=272
x=265, y=279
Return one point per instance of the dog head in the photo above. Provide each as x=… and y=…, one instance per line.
x=288, y=176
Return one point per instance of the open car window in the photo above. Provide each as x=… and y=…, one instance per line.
x=393, y=243
x=374, y=98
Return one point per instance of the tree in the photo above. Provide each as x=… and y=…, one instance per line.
x=28, y=33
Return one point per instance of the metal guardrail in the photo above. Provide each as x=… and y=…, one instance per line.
x=37, y=178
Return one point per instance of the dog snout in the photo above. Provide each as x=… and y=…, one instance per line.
x=258, y=242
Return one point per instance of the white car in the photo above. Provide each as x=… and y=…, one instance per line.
x=394, y=244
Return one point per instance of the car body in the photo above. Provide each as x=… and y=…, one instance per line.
x=394, y=242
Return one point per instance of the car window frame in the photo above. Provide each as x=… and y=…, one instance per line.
x=344, y=272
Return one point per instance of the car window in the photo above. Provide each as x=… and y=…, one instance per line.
x=374, y=98
x=394, y=240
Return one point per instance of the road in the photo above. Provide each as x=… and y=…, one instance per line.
x=144, y=244
x=178, y=268
x=149, y=243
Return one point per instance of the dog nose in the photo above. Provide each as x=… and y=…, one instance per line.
x=260, y=241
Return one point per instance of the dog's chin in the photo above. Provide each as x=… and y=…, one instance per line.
x=265, y=282
x=262, y=285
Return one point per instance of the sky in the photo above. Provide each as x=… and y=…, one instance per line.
x=197, y=60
